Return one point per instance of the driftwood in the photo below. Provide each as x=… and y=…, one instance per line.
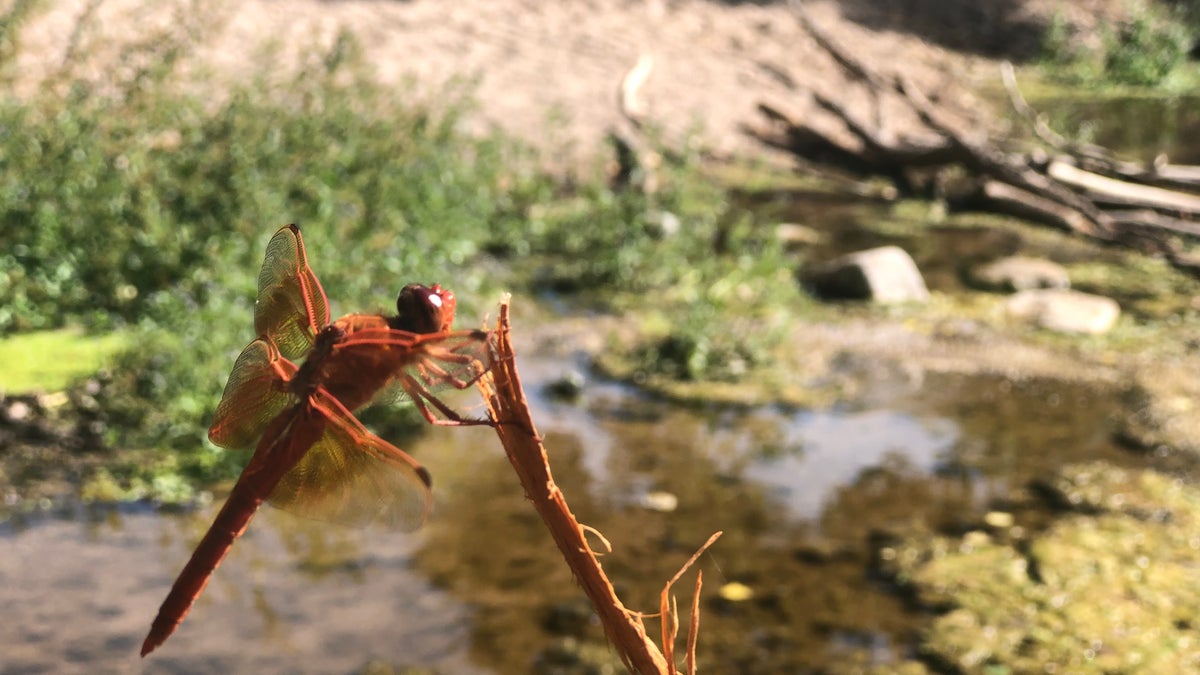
x=1102, y=189
x=1049, y=179
x=636, y=159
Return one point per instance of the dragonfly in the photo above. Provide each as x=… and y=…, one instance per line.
x=291, y=398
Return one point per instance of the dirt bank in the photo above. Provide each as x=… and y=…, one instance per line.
x=712, y=62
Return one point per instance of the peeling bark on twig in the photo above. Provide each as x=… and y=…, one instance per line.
x=509, y=412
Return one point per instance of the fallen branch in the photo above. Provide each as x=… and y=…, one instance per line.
x=1042, y=130
x=848, y=63
x=632, y=107
x=1112, y=191
x=1005, y=198
x=1049, y=179
x=990, y=161
x=1095, y=158
x=635, y=156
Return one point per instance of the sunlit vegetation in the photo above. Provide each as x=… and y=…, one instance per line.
x=141, y=205
x=133, y=205
x=52, y=360
x=1146, y=49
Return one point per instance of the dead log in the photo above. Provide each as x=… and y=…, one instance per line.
x=988, y=160
x=1105, y=190
x=1004, y=198
x=1095, y=158
x=1152, y=220
x=1174, y=176
x=1179, y=173
x=1085, y=188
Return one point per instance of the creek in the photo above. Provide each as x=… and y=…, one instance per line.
x=802, y=496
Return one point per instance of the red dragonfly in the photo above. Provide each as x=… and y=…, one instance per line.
x=311, y=456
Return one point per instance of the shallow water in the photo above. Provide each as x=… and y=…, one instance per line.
x=79, y=590
x=1137, y=127
x=800, y=494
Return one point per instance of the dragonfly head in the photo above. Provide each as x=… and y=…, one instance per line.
x=423, y=309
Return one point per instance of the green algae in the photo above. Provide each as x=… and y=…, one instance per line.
x=1112, y=587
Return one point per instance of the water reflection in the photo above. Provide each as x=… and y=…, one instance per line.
x=79, y=590
x=824, y=451
x=1138, y=127
x=801, y=495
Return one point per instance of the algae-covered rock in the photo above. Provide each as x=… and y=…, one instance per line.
x=861, y=663
x=1163, y=407
x=1113, y=587
x=1146, y=495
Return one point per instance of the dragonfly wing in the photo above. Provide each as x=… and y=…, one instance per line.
x=291, y=307
x=351, y=476
x=254, y=395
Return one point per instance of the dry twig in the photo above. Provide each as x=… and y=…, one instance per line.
x=509, y=411
x=670, y=613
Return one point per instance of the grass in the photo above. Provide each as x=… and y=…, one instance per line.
x=50, y=361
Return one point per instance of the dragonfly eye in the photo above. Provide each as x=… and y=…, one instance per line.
x=423, y=309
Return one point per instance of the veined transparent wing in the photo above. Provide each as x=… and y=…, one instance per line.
x=291, y=307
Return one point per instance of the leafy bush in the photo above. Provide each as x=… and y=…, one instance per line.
x=1142, y=51
x=683, y=252
x=112, y=201
x=1145, y=50
x=132, y=204
x=143, y=207
x=1067, y=55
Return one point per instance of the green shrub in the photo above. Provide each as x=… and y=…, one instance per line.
x=144, y=207
x=1145, y=50
x=1142, y=51
x=150, y=209
x=683, y=252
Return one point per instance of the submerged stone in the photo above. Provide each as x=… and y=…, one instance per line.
x=660, y=501
x=735, y=591
x=568, y=386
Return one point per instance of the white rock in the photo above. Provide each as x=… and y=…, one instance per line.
x=663, y=502
x=885, y=274
x=1065, y=311
x=1020, y=273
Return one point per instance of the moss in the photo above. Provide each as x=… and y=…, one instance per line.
x=1110, y=588
x=49, y=361
x=1160, y=407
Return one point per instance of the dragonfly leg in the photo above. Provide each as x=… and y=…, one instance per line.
x=420, y=396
